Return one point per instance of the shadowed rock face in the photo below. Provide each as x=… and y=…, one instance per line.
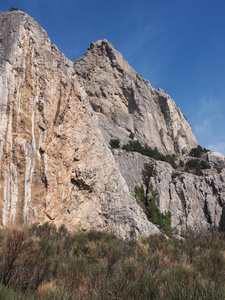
x=56, y=120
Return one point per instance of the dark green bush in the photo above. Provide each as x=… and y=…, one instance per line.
x=131, y=135
x=135, y=146
x=114, y=143
x=13, y=9
x=204, y=165
x=197, y=151
x=196, y=166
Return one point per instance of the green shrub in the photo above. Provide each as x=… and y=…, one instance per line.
x=114, y=143
x=131, y=135
x=135, y=146
x=181, y=163
x=196, y=166
x=139, y=193
x=197, y=151
x=151, y=209
x=204, y=165
x=9, y=294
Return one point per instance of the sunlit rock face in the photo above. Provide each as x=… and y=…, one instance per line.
x=195, y=202
x=126, y=103
x=55, y=164
x=57, y=118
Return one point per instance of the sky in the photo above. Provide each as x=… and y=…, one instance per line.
x=177, y=45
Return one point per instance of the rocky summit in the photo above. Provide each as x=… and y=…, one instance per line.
x=83, y=143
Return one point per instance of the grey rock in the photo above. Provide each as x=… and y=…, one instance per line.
x=216, y=160
x=195, y=202
x=54, y=163
x=125, y=102
x=57, y=120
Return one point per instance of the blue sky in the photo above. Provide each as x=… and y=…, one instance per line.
x=177, y=45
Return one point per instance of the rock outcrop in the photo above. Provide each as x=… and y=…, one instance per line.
x=57, y=118
x=195, y=202
x=55, y=165
x=126, y=103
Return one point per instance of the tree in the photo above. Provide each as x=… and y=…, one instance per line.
x=147, y=173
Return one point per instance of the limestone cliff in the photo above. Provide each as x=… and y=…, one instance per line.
x=57, y=118
x=55, y=165
x=195, y=202
x=126, y=103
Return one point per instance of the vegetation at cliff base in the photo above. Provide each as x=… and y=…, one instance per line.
x=42, y=262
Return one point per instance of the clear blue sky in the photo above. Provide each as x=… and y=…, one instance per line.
x=178, y=45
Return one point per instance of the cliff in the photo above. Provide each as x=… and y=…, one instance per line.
x=57, y=120
x=126, y=103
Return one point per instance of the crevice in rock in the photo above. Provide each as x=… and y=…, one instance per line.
x=48, y=216
x=207, y=214
x=222, y=221
x=128, y=93
x=45, y=181
x=81, y=185
x=41, y=151
x=181, y=196
x=41, y=128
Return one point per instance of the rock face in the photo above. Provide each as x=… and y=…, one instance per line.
x=57, y=118
x=195, y=202
x=55, y=164
x=126, y=103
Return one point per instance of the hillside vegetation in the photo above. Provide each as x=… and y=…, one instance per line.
x=41, y=262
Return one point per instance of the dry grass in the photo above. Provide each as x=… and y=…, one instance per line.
x=41, y=262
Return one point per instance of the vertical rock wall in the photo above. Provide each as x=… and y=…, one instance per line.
x=55, y=165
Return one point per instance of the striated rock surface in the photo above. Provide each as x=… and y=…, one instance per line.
x=57, y=118
x=195, y=202
x=126, y=103
x=55, y=165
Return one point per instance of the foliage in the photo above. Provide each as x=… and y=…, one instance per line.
x=131, y=135
x=15, y=9
x=154, y=216
x=114, y=143
x=151, y=209
x=135, y=146
x=139, y=193
x=98, y=265
x=148, y=172
x=181, y=163
x=197, y=151
x=196, y=166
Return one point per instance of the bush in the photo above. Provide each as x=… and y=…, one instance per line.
x=135, y=146
x=196, y=166
x=13, y=9
x=151, y=209
x=131, y=135
x=114, y=143
x=139, y=193
x=197, y=151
